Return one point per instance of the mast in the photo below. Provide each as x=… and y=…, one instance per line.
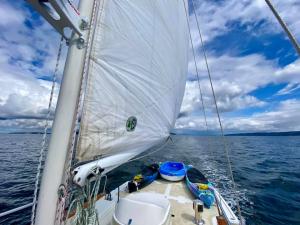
x=62, y=127
x=284, y=26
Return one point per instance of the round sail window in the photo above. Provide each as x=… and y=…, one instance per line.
x=131, y=123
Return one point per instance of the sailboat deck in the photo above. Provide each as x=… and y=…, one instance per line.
x=181, y=202
x=180, y=198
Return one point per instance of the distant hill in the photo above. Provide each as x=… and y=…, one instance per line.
x=211, y=133
x=191, y=132
x=288, y=133
x=29, y=132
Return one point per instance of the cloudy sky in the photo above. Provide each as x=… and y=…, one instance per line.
x=255, y=70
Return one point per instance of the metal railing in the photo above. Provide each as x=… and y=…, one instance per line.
x=15, y=209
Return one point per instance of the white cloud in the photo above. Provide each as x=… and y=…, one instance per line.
x=29, y=43
x=289, y=73
x=23, y=96
x=27, y=52
x=216, y=16
x=234, y=78
x=9, y=17
x=19, y=125
x=288, y=89
x=229, y=97
x=285, y=117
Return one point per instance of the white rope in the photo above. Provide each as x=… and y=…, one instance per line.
x=43, y=147
x=218, y=113
x=86, y=215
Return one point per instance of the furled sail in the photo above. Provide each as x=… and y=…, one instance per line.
x=136, y=78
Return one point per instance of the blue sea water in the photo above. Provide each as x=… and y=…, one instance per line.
x=266, y=170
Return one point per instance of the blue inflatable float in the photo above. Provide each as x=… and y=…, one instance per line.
x=172, y=171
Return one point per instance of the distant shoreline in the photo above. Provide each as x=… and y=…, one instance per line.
x=34, y=132
x=201, y=133
x=287, y=133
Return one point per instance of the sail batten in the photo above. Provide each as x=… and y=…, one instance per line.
x=136, y=80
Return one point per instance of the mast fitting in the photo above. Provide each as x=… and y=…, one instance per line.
x=80, y=43
x=62, y=15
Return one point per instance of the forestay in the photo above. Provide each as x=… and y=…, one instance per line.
x=136, y=78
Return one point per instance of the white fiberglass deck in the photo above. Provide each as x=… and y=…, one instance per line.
x=180, y=198
x=181, y=202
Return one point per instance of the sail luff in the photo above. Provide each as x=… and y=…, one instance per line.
x=62, y=128
x=136, y=77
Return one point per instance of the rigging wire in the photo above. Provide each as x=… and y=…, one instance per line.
x=198, y=78
x=217, y=110
x=67, y=171
x=284, y=27
x=216, y=105
x=200, y=92
x=150, y=153
x=44, y=140
x=198, y=81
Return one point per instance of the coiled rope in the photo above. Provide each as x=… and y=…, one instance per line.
x=43, y=145
x=215, y=101
x=85, y=213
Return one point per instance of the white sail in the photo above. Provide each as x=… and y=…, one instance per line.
x=136, y=79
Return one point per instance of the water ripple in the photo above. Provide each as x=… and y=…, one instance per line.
x=266, y=171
